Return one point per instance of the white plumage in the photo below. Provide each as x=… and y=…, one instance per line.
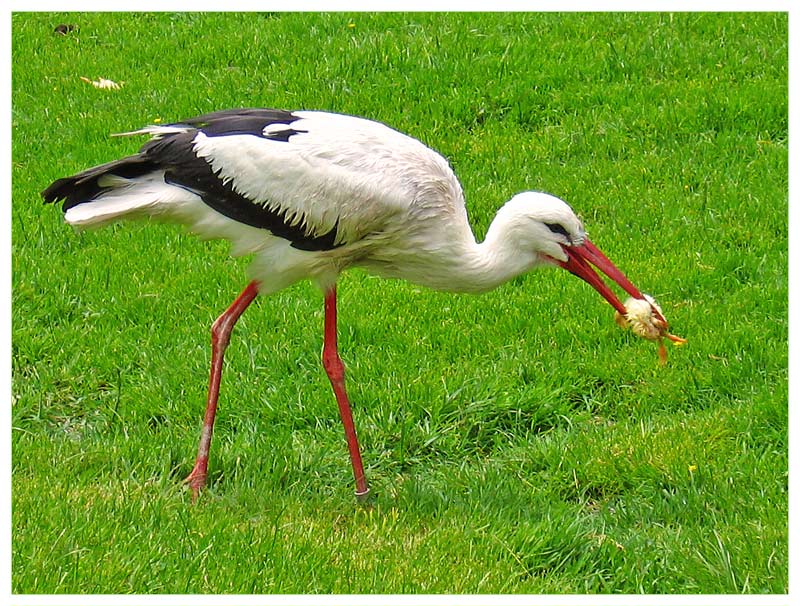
x=309, y=194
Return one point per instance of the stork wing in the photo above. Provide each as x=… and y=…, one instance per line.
x=317, y=179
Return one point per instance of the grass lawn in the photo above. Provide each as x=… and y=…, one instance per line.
x=517, y=441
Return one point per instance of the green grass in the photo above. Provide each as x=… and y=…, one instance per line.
x=517, y=441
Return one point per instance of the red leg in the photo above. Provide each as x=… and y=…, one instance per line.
x=220, y=337
x=335, y=370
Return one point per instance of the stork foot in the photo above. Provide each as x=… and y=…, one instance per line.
x=365, y=498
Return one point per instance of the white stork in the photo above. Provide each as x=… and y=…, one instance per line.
x=309, y=194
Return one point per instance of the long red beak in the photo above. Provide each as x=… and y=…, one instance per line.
x=578, y=263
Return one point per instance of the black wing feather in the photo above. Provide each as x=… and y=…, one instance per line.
x=84, y=186
x=242, y=122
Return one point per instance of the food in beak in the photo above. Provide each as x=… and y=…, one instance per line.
x=640, y=312
x=645, y=318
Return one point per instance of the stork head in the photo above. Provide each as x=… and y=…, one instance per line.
x=548, y=226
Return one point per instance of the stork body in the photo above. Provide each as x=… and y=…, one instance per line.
x=309, y=194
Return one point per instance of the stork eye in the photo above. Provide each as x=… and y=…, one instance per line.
x=557, y=228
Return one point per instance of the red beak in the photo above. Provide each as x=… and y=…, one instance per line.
x=578, y=263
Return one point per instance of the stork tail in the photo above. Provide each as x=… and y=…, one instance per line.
x=107, y=192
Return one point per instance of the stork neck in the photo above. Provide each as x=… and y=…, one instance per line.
x=452, y=260
x=495, y=261
x=482, y=266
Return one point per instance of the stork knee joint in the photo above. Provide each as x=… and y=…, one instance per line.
x=221, y=332
x=333, y=366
